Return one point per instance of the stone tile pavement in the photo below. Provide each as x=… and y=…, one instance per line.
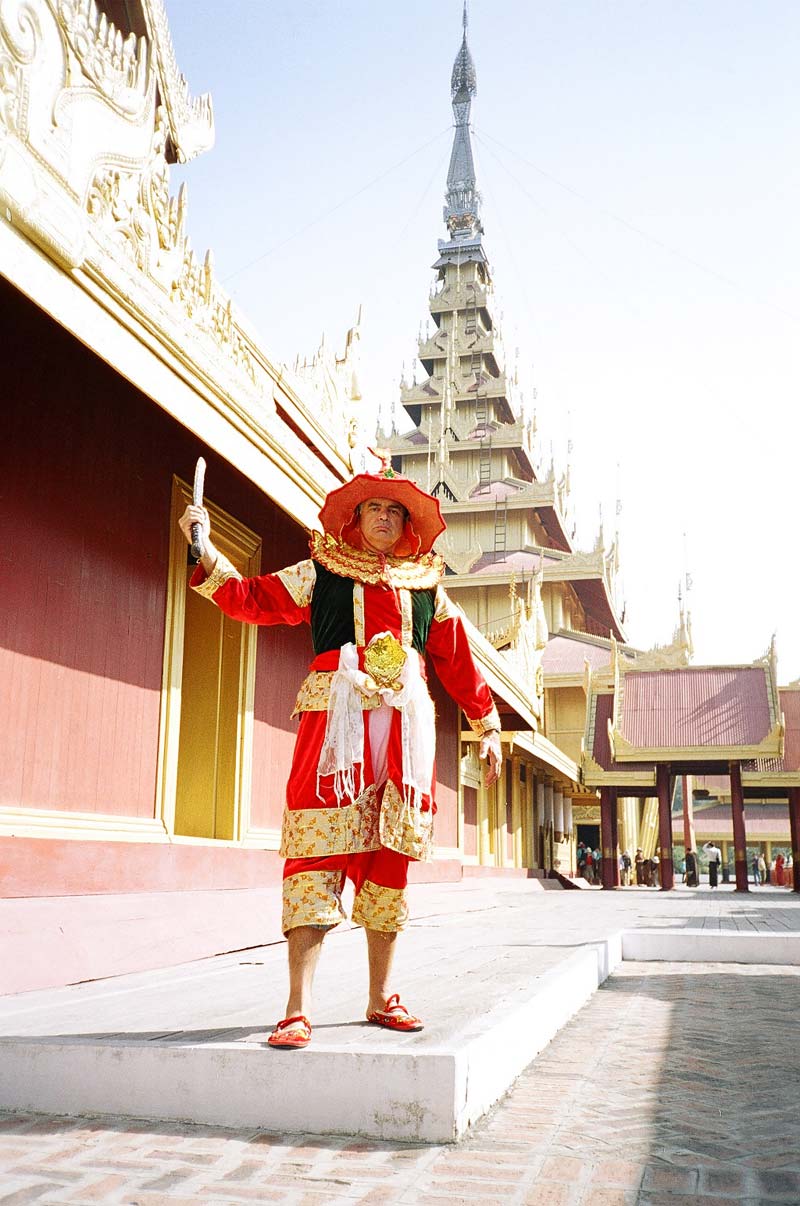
x=676, y=1084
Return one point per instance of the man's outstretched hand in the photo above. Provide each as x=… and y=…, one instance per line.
x=491, y=750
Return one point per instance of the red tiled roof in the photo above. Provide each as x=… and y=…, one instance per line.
x=495, y=490
x=519, y=561
x=601, y=750
x=566, y=654
x=691, y=707
x=790, y=706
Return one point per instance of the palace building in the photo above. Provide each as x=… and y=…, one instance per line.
x=146, y=739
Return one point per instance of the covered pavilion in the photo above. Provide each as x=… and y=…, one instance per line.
x=646, y=727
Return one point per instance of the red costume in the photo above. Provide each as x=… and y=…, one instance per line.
x=359, y=799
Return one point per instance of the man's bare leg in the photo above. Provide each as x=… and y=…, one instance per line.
x=305, y=944
x=380, y=950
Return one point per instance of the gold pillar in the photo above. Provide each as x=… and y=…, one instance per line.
x=484, y=831
x=648, y=831
x=501, y=841
x=629, y=824
x=516, y=813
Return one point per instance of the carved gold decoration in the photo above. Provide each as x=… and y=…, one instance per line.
x=413, y=573
x=117, y=66
x=136, y=210
x=384, y=659
x=191, y=118
x=11, y=95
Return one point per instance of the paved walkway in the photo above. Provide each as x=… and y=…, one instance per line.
x=675, y=1084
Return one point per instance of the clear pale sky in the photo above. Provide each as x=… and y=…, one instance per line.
x=639, y=166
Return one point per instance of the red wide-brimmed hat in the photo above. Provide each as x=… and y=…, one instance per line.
x=338, y=515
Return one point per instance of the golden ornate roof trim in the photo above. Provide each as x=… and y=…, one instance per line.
x=191, y=119
x=624, y=751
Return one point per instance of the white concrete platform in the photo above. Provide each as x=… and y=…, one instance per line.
x=709, y=946
x=495, y=967
x=384, y=1086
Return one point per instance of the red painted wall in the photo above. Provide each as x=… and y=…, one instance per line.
x=85, y=495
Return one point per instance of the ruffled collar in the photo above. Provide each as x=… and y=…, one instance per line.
x=363, y=565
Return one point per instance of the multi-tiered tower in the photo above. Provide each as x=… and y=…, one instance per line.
x=507, y=545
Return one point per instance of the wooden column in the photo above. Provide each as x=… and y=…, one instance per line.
x=688, y=814
x=739, y=835
x=615, y=834
x=666, y=869
x=516, y=813
x=607, y=805
x=794, y=829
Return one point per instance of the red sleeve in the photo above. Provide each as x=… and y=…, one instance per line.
x=449, y=649
x=262, y=600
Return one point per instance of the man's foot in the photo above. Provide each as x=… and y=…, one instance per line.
x=291, y=1033
x=394, y=1016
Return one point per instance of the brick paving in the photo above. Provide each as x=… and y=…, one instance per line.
x=676, y=1084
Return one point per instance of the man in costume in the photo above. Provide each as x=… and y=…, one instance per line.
x=359, y=799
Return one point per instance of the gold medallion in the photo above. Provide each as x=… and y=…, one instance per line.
x=384, y=658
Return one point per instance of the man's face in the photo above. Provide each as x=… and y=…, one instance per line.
x=381, y=521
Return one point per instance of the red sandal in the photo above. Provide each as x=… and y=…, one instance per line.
x=291, y=1033
x=395, y=1016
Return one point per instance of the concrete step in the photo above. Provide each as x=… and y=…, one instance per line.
x=496, y=968
x=427, y=1087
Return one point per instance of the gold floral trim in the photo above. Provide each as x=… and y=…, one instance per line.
x=222, y=572
x=377, y=908
x=487, y=724
x=299, y=581
x=315, y=692
x=407, y=614
x=359, y=623
x=315, y=832
x=413, y=573
x=402, y=828
x=312, y=898
x=445, y=608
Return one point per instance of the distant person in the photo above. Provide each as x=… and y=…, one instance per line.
x=714, y=855
x=780, y=878
x=762, y=869
x=756, y=872
x=597, y=864
x=625, y=868
x=639, y=861
x=692, y=874
x=588, y=865
x=655, y=871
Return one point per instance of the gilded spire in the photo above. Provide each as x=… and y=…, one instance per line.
x=462, y=197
